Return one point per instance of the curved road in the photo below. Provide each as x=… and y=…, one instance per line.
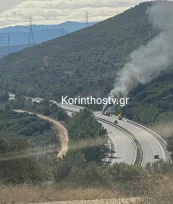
x=121, y=144
x=151, y=143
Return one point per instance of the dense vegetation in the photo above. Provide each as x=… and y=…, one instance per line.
x=16, y=128
x=74, y=168
x=86, y=63
x=4, y=96
x=83, y=125
x=21, y=136
x=154, y=102
x=88, y=135
x=84, y=159
x=45, y=107
x=82, y=166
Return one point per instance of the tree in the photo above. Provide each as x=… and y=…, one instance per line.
x=64, y=166
x=124, y=172
x=170, y=146
x=95, y=152
x=24, y=170
x=61, y=115
x=159, y=167
x=7, y=107
x=84, y=127
x=4, y=96
x=45, y=107
x=19, y=103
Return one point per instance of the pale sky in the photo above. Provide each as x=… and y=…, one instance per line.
x=16, y=12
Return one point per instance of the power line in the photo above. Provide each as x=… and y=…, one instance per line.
x=31, y=39
x=87, y=19
x=8, y=40
x=62, y=31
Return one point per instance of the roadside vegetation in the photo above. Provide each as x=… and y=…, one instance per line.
x=81, y=173
x=163, y=128
x=82, y=63
x=22, y=138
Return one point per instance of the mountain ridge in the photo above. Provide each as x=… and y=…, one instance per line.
x=74, y=25
x=86, y=62
x=42, y=33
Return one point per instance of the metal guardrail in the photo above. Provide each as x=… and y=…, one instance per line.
x=149, y=130
x=139, y=151
x=155, y=135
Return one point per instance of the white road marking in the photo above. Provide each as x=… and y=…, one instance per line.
x=153, y=138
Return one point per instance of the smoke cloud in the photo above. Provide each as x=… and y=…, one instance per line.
x=149, y=60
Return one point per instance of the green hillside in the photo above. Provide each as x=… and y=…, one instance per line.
x=86, y=62
x=83, y=61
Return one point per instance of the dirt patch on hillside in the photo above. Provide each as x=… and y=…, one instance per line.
x=62, y=132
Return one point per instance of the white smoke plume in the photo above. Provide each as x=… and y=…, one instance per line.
x=149, y=60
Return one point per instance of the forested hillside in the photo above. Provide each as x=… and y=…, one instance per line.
x=86, y=63
x=23, y=129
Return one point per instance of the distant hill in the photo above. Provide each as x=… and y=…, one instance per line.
x=42, y=33
x=14, y=48
x=86, y=62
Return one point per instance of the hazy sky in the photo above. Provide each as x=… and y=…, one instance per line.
x=14, y=12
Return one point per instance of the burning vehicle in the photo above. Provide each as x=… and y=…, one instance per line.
x=105, y=110
x=120, y=116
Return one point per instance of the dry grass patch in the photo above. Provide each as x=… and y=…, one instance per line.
x=159, y=191
x=105, y=201
x=85, y=143
x=35, y=194
x=164, y=129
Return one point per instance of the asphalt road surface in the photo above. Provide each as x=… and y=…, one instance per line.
x=123, y=146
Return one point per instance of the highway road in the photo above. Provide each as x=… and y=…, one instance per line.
x=122, y=145
x=151, y=143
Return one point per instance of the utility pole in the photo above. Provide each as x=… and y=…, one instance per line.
x=8, y=40
x=62, y=31
x=31, y=39
x=87, y=21
x=46, y=146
